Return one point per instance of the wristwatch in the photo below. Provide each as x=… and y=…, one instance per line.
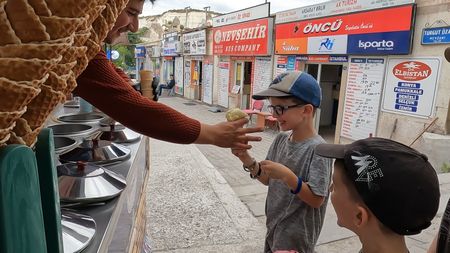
x=251, y=167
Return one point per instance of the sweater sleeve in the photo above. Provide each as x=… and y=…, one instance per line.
x=122, y=74
x=104, y=88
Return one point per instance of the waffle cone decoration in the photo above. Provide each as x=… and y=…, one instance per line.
x=8, y=36
x=71, y=8
x=73, y=53
x=44, y=46
x=40, y=7
x=25, y=22
x=16, y=95
x=5, y=134
x=93, y=48
x=94, y=13
x=65, y=40
x=22, y=128
x=81, y=38
x=41, y=106
x=7, y=119
x=59, y=27
x=120, y=5
x=110, y=15
x=23, y=134
x=19, y=69
x=43, y=51
x=81, y=66
x=3, y=140
x=57, y=82
x=65, y=68
x=101, y=28
x=71, y=83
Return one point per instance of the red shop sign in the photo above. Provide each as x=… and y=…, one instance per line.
x=249, y=38
x=411, y=71
x=378, y=21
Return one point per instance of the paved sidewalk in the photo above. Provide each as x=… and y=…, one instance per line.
x=200, y=200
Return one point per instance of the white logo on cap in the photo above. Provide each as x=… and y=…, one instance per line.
x=367, y=168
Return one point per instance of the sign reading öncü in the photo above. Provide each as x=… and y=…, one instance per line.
x=372, y=32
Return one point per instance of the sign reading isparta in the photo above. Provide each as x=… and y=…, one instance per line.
x=249, y=38
x=371, y=32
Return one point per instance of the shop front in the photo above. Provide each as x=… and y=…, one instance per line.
x=198, y=66
x=171, y=58
x=243, y=52
x=347, y=52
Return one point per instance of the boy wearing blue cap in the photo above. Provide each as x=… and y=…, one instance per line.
x=298, y=179
x=382, y=190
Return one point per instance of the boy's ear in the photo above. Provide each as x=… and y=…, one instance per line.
x=309, y=109
x=361, y=217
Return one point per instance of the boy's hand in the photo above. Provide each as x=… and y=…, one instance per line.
x=239, y=152
x=275, y=170
x=243, y=155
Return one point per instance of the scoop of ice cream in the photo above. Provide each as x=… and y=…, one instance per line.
x=235, y=114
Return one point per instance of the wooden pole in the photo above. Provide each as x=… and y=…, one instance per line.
x=424, y=130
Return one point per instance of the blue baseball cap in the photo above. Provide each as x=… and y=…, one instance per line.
x=296, y=84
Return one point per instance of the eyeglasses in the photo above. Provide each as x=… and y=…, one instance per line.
x=280, y=109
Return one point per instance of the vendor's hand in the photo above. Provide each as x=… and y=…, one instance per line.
x=275, y=170
x=228, y=134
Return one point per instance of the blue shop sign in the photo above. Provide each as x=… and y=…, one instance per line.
x=437, y=35
x=139, y=52
x=291, y=63
x=387, y=43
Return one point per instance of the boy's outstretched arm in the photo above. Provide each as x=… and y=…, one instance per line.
x=279, y=171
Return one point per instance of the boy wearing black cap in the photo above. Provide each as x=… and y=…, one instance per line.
x=298, y=180
x=382, y=190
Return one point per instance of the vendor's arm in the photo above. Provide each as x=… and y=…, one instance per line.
x=103, y=87
x=123, y=75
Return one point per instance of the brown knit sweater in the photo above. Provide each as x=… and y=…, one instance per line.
x=103, y=85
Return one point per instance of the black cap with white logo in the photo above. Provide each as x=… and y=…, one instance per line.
x=396, y=182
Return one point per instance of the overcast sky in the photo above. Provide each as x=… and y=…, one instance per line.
x=223, y=6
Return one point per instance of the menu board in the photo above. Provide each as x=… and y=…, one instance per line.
x=207, y=83
x=263, y=74
x=224, y=77
x=187, y=74
x=179, y=80
x=362, y=97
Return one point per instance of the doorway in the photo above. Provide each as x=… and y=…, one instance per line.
x=329, y=77
x=197, y=73
x=243, y=82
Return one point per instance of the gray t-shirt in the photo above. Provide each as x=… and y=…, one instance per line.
x=291, y=223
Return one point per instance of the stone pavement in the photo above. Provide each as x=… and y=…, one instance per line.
x=200, y=199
